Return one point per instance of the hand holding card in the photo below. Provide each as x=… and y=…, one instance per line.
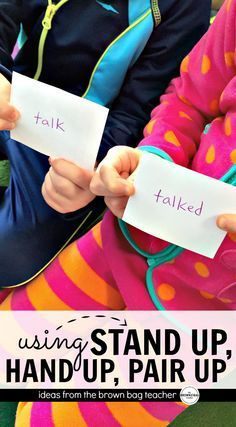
x=179, y=205
x=57, y=123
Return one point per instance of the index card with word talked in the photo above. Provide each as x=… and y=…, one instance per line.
x=179, y=205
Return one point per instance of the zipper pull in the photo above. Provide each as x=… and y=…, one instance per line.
x=49, y=14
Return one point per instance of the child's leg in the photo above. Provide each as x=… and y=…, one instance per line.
x=79, y=279
x=31, y=233
x=97, y=414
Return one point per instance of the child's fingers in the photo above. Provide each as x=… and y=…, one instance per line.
x=72, y=172
x=117, y=205
x=60, y=185
x=56, y=202
x=5, y=125
x=111, y=176
x=70, y=197
x=8, y=112
x=108, y=182
x=66, y=186
x=227, y=223
x=123, y=159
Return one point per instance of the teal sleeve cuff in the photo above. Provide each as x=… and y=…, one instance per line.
x=157, y=151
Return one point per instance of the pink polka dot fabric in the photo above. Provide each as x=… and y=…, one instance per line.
x=205, y=93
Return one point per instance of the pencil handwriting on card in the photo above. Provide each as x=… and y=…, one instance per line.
x=178, y=203
x=57, y=123
x=51, y=122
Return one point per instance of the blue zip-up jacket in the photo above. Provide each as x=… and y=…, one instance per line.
x=120, y=53
x=81, y=32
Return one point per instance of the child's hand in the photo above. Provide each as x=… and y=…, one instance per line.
x=66, y=186
x=8, y=114
x=113, y=178
x=227, y=223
